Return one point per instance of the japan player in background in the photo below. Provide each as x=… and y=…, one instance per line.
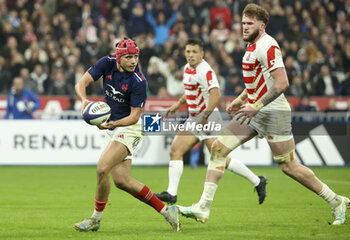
x=124, y=88
x=262, y=110
x=202, y=95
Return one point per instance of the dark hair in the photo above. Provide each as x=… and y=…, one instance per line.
x=194, y=41
x=254, y=10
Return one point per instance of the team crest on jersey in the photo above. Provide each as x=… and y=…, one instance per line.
x=248, y=57
x=109, y=77
x=125, y=87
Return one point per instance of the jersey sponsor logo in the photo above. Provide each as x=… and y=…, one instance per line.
x=114, y=97
x=248, y=66
x=115, y=92
x=152, y=122
x=191, y=87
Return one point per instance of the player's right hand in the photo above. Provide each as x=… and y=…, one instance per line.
x=234, y=106
x=84, y=103
x=172, y=109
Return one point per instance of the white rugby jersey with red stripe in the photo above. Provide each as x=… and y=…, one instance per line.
x=259, y=60
x=197, y=83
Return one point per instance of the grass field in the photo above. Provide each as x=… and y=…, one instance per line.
x=44, y=202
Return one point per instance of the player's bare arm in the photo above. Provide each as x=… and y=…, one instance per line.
x=80, y=89
x=176, y=105
x=237, y=102
x=135, y=113
x=280, y=85
x=214, y=97
x=248, y=111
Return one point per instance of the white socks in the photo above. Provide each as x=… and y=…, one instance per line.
x=97, y=215
x=175, y=171
x=328, y=195
x=164, y=211
x=239, y=168
x=208, y=195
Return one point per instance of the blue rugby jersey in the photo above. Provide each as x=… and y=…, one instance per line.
x=122, y=90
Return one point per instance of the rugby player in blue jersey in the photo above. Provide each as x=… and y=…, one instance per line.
x=124, y=88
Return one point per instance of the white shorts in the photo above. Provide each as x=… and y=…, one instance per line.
x=130, y=136
x=273, y=122
x=214, y=121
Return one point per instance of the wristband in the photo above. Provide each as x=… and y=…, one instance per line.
x=257, y=105
x=237, y=99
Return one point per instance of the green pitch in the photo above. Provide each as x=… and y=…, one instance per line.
x=44, y=203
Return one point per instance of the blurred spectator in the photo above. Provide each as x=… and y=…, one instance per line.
x=157, y=80
x=332, y=106
x=220, y=33
x=11, y=45
x=173, y=79
x=34, y=55
x=24, y=73
x=234, y=85
x=118, y=22
x=292, y=68
x=297, y=88
x=310, y=33
x=137, y=20
x=5, y=77
x=16, y=62
x=220, y=12
x=161, y=27
x=346, y=84
x=198, y=14
x=278, y=21
x=302, y=60
x=40, y=79
x=346, y=55
x=326, y=84
x=304, y=105
x=21, y=102
x=348, y=106
x=60, y=85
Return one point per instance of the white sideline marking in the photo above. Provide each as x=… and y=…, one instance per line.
x=323, y=180
x=336, y=181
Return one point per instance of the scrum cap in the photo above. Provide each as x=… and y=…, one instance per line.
x=125, y=47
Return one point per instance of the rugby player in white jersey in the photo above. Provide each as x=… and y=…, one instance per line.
x=262, y=110
x=202, y=95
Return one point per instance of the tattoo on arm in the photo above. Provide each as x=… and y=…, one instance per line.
x=271, y=95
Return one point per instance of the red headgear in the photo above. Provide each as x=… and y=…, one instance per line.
x=125, y=47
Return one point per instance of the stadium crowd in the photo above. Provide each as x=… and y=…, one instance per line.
x=51, y=43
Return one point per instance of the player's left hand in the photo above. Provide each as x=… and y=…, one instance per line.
x=108, y=125
x=246, y=112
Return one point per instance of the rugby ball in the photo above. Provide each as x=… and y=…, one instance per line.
x=96, y=113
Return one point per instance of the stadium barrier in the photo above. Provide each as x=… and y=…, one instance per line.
x=73, y=142
x=62, y=138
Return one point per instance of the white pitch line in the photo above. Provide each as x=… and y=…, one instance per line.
x=323, y=180
x=336, y=181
